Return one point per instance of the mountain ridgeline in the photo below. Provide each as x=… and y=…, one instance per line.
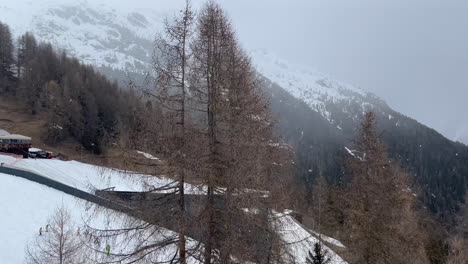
x=437, y=164
x=317, y=116
x=78, y=102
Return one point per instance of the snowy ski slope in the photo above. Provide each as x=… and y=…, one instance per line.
x=28, y=205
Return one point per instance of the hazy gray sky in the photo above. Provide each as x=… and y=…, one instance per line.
x=413, y=53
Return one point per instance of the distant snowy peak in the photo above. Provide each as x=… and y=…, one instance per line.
x=319, y=91
x=109, y=34
x=97, y=34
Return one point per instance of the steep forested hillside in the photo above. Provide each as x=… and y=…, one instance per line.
x=78, y=101
x=438, y=164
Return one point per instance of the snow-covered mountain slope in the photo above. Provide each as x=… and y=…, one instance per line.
x=299, y=241
x=105, y=34
x=98, y=33
x=321, y=92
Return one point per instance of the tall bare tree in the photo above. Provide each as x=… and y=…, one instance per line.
x=218, y=131
x=239, y=154
x=171, y=66
x=381, y=222
x=58, y=242
x=168, y=91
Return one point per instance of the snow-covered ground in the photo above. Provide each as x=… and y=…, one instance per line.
x=328, y=239
x=27, y=206
x=88, y=177
x=299, y=241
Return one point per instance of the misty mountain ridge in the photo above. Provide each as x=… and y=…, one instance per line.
x=318, y=115
x=122, y=40
x=103, y=36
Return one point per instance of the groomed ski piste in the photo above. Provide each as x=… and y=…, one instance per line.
x=27, y=206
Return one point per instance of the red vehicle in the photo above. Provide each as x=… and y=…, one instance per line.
x=40, y=154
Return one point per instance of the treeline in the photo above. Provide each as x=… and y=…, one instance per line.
x=437, y=164
x=78, y=101
x=375, y=210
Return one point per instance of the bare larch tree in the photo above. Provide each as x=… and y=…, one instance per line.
x=239, y=151
x=380, y=214
x=171, y=67
x=58, y=242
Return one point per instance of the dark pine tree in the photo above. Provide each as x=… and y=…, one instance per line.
x=320, y=256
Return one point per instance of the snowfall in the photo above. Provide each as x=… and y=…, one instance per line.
x=26, y=206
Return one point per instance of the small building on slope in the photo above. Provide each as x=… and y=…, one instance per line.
x=14, y=143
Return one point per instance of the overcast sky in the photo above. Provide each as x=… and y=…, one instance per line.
x=412, y=53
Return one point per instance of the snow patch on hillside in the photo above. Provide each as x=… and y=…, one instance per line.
x=147, y=155
x=299, y=241
x=328, y=239
x=316, y=89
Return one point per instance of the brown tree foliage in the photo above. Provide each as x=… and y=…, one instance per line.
x=380, y=218
x=458, y=242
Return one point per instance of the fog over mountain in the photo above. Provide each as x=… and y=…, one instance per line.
x=410, y=53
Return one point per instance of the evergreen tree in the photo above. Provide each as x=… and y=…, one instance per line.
x=6, y=58
x=320, y=256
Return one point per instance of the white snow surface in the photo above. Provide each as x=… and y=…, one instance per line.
x=299, y=241
x=101, y=33
x=316, y=89
x=147, y=155
x=27, y=206
x=88, y=177
x=328, y=239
